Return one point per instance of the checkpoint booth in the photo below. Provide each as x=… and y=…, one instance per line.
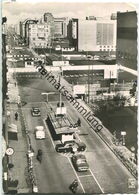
x=12, y=132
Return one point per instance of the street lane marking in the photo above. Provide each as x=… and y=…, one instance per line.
x=85, y=176
x=96, y=181
x=48, y=133
x=76, y=175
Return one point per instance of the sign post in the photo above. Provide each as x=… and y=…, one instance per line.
x=123, y=134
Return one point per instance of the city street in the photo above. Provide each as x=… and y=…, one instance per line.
x=107, y=174
x=69, y=98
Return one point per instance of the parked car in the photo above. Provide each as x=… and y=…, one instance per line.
x=79, y=162
x=35, y=111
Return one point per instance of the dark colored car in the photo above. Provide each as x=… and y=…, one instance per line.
x=63, y=148
x=69, y=146
x=35, y=111
x=79, y=162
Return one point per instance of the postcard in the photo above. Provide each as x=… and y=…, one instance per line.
x=69, y=97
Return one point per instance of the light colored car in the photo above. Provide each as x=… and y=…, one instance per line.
x=39, y=132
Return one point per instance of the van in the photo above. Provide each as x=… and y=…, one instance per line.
x=39, y=132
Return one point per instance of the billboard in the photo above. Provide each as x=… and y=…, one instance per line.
x=78, y=89
x=74, y=30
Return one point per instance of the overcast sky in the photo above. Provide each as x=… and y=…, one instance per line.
x=16, y=11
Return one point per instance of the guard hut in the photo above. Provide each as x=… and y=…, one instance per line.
x=60, y=126
x=12, y=132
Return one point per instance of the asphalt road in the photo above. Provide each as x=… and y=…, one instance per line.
x=106, y=174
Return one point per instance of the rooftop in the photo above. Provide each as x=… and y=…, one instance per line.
x=61, y=125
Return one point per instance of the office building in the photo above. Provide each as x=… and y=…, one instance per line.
x=49, y=19
x=97, y=35
x=60, y=27
x=72, y=33
x=127, y=39
x=39, y=35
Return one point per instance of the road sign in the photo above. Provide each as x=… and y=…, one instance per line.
x=9, y=151
x=132, y=148
x=123, y=133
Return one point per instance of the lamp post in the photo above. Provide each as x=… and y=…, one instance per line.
x=123, y=134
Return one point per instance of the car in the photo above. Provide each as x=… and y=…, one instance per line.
x=39, y=132
x=63, y=148
x=79, y=162
x=76, y=144
x=70, y=146
x=35, y=111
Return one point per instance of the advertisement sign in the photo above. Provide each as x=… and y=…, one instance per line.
x=74, y=30
x=61, y=111
x=78, y=89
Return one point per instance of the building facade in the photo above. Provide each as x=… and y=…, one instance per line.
x=127, y=39
x=72, y=33
x=97, y=35
x=60, y=27
x=39, y=35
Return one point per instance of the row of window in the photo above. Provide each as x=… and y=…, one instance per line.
x=41, y=44
x=39, y=35
x=106, y=49
x=39, y=39
x=37, y=26
x=107, y=46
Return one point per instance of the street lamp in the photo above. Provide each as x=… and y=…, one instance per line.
x=123, y=134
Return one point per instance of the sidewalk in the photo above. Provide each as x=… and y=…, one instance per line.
x=123, y=153
x=18, y=159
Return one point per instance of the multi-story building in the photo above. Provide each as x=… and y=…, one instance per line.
x=127, y=39
x=17, y=29
x=97, y=35
x=72, y=33
x=49, y=19
x=60, y=27
x=39, y=35
x=24, y=29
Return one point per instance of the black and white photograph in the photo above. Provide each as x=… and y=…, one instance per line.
x=69, y=97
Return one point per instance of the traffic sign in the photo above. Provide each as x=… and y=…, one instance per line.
x=132, y=148
x=123, y=133
x=9, y=151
